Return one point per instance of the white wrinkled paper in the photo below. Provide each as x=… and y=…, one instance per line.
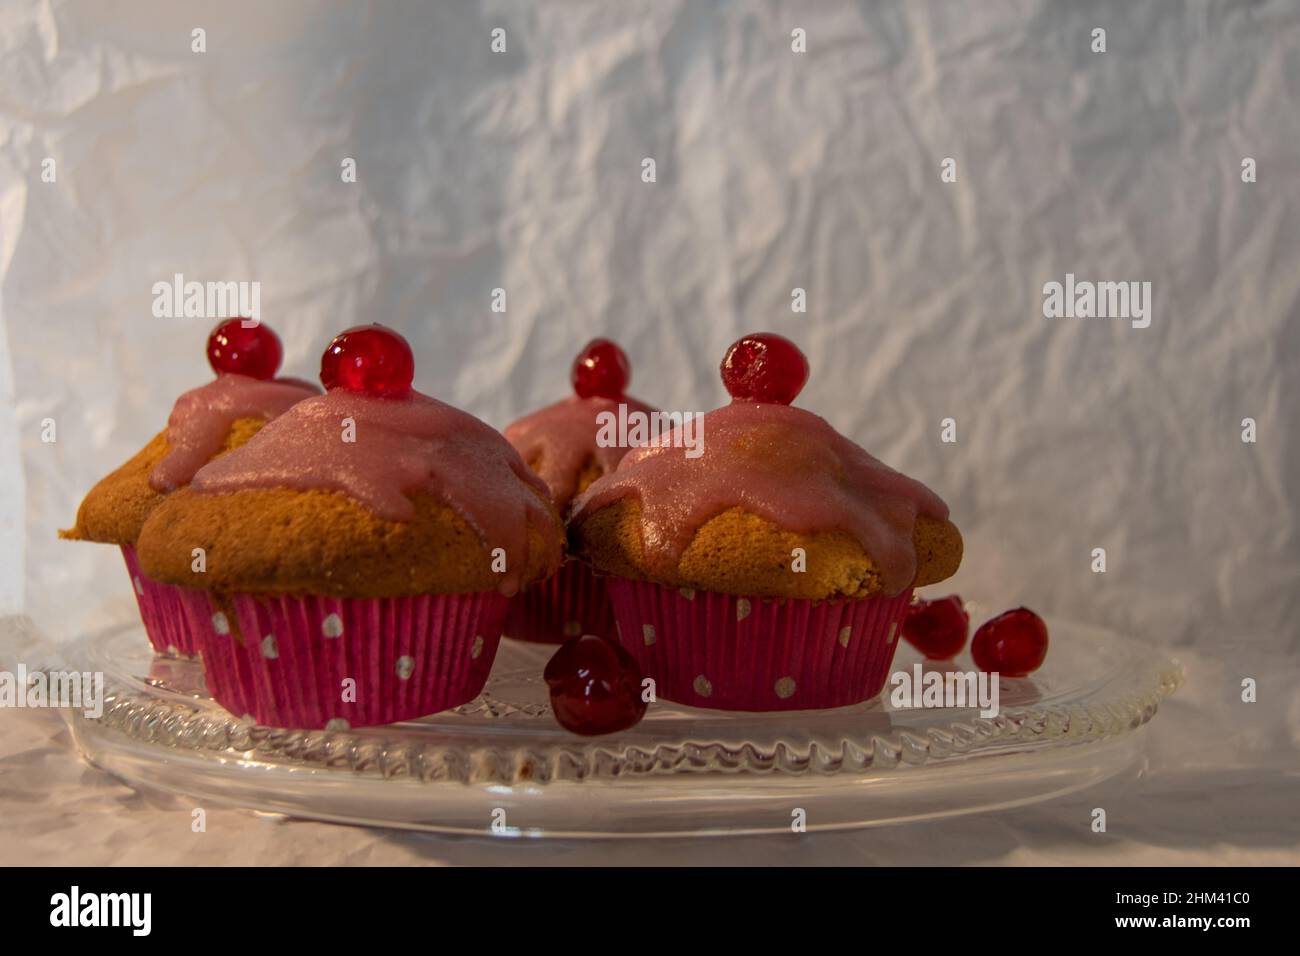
x=775, y=170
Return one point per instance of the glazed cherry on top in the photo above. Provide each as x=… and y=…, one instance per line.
x=601, y=370
x=371, y=359
x=236, y=349
x=764, y=367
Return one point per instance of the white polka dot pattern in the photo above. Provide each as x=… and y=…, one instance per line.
x=703, y=687
x=845, y=634
x=139, y=586
x=648, y=634
x=743, y=608
x=269, y=649
x=785, y=688
x=220, y=624
x=332, y=626
x=405, y=667
x=477, y=649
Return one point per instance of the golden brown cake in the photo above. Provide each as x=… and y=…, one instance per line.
x=114, y=510
x=739, y=552
x=570, y=444
x=205, y=423
x=316, y=541
x=351, y=564
x=771, y=570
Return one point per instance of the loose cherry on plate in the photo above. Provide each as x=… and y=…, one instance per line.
x=595, y=686
x=236, y=349
x=1014, y=643
x=764, y=367
x=601, y=370
x=937, y=628
x=370, y=359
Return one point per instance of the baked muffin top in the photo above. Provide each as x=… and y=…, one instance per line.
x=364, y=494
x=778, y=504
x=205, y=422
x=576, y=440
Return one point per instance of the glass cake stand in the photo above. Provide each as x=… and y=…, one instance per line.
x=501, y=765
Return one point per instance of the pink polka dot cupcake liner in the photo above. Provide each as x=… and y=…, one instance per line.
x=571, y=602
x=757, y=654
x=334, y=663
x=162, y=609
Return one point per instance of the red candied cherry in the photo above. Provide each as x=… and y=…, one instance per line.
x=371, y=359
x=1014, y=643
x=764, y=367
x=595, y=686
x=252, y=350
x=601, y=370
x=937, y=628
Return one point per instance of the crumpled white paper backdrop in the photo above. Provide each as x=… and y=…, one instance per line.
x=775, y=170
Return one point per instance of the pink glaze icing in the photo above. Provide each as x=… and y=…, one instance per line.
x=402, y=446
x=201, y=419
x=562, y=437
x=781, y=463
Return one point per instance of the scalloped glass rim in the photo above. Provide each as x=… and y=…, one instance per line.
x=681, y=770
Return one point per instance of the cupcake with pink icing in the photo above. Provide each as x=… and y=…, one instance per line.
x=770, y=572
x=569, y=445
x=205, y=423
x=360, y=551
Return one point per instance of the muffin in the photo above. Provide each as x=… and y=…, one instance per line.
x=569, y=445
x=204, y=424
x=360, y=550
x=772, y=571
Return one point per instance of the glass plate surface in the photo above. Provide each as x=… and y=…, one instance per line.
x=501, y=765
